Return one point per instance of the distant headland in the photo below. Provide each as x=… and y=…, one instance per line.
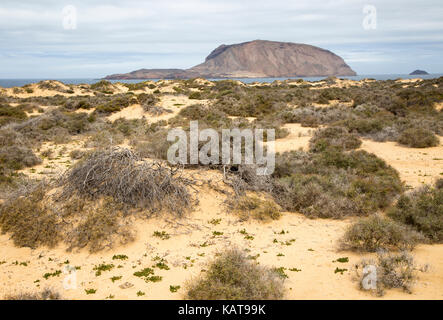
x=255, y=59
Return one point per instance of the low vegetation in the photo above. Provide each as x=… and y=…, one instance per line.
x=393, y=270
x=334, y=183
x=124, y=176
x=422, y=210
x=375, y=233
x=232, y=276
x=46, y=294
x=254, y=207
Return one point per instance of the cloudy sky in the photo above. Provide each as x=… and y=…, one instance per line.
x=38, y=40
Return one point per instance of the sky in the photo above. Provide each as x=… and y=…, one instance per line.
x=92, y=39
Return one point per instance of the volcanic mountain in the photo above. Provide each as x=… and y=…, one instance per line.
x=256, y=59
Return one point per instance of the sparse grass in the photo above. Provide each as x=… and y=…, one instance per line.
x=232, y=276
x=375, y=233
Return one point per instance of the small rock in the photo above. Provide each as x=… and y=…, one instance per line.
x=126, y=285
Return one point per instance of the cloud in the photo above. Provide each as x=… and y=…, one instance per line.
x=116, y=36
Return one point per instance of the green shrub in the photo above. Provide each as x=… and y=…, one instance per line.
x=11, y=114
x=422, y=210
x=336, y=137
x=334, y=183
x=375, y=233
x=232, y=276
x=418, y=138
x=195, y=95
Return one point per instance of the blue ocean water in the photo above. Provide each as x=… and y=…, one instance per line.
x=9, y=83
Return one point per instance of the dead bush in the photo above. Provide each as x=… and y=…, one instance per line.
x=124, y=176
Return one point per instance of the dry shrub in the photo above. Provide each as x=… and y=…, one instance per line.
x=418, y=138
x=77, y=154
x=335, y=137
x=375, y=233
x=231, y=276
x=15, y=152
x=124, y=176
x=422, y=210
x=97, y=226
x=244, y=177
x=29, y=220
x=253, y=206
x=46, y=294
x=393, y=271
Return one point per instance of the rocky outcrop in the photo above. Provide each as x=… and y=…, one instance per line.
x=256, y=59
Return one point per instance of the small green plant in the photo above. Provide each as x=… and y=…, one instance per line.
x=280, y=272
x=342, y=260
x=102, y=267
x=116, y=278
x=120, y=257
x=90, y=291
x=217, y=233
x=339, y=270
x=146, y=272
x=154, y=279
x=215, y=221
x=140, y=293
x=161, y=234
x=161, y=265
x=294, y=270
x=174, y=288
x=52, y=274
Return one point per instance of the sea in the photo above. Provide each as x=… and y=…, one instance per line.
x=9, y=83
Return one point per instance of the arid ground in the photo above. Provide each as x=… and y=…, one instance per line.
x=49, y=129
